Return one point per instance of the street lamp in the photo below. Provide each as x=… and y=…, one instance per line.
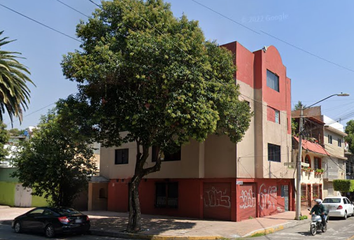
x=298, y=163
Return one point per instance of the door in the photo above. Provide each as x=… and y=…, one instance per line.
x=23, y=197
x=285, y=195
x=217, y=201
x=247, y=201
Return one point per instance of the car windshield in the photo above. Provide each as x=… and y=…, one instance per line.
x=331, y=200
x=67, y=211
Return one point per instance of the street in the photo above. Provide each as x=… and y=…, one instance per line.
x=6, y=233
x=336, y=229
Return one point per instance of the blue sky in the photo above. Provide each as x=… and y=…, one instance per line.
x=314, y=39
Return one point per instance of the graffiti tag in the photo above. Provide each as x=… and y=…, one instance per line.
x=268, y=196
x=247, y=199
x=216, y=198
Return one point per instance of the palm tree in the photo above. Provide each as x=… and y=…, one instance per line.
x=14, y=93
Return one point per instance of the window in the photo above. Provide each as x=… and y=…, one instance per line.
x=308, y=160
x=166, y=195
x=303, y=192
x=176, y=156
x=272, y=81
x=273, y=115
x=330, y=139
x=121, y=156
x=339, y=142
x=273, y=152
x=277, y=116
x=317, y=163
x=317, y=191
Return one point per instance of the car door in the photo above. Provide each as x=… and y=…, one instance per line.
x=349, y=206
x=32, y=222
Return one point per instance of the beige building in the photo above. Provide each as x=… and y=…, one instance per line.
x=217, y=179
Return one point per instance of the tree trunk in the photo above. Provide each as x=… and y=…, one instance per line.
x=134, y=223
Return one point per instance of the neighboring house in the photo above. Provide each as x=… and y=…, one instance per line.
x=12, y=193
x=217, y=179
x=335, y=161
x=323, y=157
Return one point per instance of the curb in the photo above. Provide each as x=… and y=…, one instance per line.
x=276, y=228
x=151, y=237
x=6, y=222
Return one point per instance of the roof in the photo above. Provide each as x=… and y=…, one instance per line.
x=313, y=147
x=335, y=130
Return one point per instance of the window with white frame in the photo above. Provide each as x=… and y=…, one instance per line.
x=339, y=142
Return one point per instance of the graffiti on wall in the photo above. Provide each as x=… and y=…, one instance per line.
x=217, y=198
x=248, y=199
x=268, y=196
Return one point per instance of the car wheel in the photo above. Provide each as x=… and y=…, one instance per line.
x=18, y=227
x=49, y=231
x=345, y=215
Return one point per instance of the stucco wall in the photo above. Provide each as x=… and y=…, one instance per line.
x=7, y=193
x=220, y=156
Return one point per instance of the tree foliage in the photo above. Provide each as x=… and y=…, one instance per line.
x=14, y=93
x=349, y=129
x=53, y=162
x=343, y=185
x=16, y=132
x=145, y=72
x=4, y=138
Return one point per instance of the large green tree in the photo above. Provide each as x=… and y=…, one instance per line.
x=145, y=72
x=54, y=162
x=14, y=92
x=349, y=129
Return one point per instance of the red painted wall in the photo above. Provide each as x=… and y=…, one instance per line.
x=118, y=195
x=219, y=199
x=271, y=60
x=252, y=70
x=244, y=61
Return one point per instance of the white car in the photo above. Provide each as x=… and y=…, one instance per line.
x=338, y=206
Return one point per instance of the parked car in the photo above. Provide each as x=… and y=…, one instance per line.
x=52, y=221
x=338, y=206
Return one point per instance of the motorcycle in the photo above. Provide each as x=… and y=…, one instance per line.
x=316, y=224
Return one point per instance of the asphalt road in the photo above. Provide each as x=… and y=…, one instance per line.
x=337, y=229
x=7, y=233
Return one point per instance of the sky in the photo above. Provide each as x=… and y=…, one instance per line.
x=314, y=38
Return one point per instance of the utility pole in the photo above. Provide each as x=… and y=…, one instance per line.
x=298, y=167
x=298, y=162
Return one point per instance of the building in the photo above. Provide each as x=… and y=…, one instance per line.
x=323, y=157
x=217, y=179
x=335, y=161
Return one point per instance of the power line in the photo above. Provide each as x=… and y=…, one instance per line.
x=283, y=41
x=242, y=25
x=36, y=111
x=64, y=34
x=73, y=9
x=95, y=3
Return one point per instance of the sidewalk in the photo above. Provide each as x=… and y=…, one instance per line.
x=105, y=223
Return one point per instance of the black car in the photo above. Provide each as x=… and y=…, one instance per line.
x=52, y=221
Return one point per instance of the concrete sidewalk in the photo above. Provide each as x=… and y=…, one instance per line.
x=105, y=223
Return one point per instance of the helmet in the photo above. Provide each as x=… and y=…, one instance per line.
x=319, y=201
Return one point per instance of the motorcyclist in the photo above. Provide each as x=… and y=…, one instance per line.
x=319, y=209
